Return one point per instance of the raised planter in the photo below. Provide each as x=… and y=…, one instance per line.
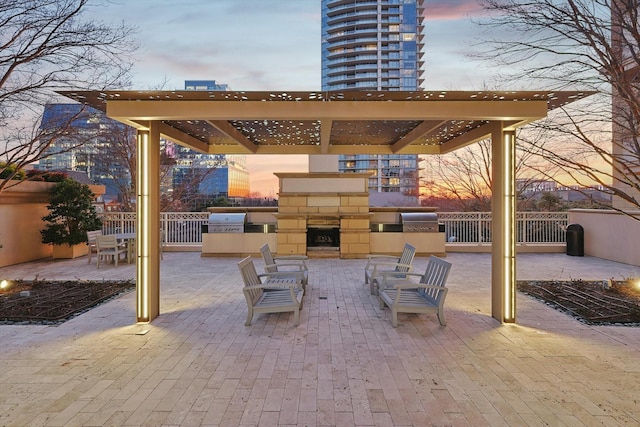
x=70, y=252
x=22, y=207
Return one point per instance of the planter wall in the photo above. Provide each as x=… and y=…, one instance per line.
x=21, y=210
x=609, y=234
x=69, y=252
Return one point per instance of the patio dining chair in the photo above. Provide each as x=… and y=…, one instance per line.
x=92, y=244
x=403, y=295
x=377, y=264
x=294, y=263
x=261, y=295
x=108, y=247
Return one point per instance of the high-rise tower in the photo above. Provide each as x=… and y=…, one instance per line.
x=372, y=44
x=376, y=45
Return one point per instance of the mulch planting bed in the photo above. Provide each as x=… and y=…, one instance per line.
x=592, y=302
x=53, y=302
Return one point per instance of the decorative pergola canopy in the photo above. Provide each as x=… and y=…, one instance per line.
x=317, y=123
x=352, y=122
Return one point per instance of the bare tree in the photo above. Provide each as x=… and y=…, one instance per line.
x=464, y=176
x=45, y=46
x=115, y=160
x=576, y=45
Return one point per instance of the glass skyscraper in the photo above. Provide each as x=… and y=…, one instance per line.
x=217, y=175
x=86, y=145
x=376, y=45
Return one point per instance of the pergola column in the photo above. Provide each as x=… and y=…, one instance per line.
x=503, y=248
x=148, y=223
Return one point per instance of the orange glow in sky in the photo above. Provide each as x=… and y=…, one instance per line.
x=262, y=168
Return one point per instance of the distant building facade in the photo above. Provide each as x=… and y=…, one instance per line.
x=204, y=85
x=535, y=185
x=218, y=175
x=376, y=45
x=534, y=188
x=85, y=147
x=90, y=148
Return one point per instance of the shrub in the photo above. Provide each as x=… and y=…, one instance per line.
x=71, y=214
x=38, y=175
x=7, y=169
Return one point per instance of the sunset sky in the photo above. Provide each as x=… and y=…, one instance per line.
x=274, y=45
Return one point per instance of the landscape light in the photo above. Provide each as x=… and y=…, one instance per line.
x=4, y=284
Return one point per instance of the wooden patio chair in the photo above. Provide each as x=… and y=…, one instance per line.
x=377, y=264
x=108, y=247
x=288, y=263
x=402, y=295
x=270, y=292
x=92, y=244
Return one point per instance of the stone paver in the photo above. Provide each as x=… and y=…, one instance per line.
x=344, y=365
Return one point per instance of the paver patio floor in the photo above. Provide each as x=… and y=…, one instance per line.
x=344, y=365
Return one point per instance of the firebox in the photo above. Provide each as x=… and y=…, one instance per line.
x=323, y=238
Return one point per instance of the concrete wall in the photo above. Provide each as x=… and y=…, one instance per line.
x=21, y=208
x=609, y=234
x=236, y=244
x=392, y=243
x=20, y=226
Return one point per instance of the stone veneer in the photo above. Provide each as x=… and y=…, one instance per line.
x=323, y=198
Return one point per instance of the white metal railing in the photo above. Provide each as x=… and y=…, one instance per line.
x=185, y=228
x=531, y=227
x=180, y=228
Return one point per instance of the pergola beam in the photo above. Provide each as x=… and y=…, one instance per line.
x=325, y=135
x=468, y=138
x=419, y=131
x=317, y=149
x=233, y=133
x=313, y=110
x=182, y=138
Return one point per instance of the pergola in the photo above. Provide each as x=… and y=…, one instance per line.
x=318, y=123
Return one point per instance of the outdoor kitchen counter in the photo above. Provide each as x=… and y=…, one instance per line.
x=392, y=243
x=259, y=228
x=236, y=244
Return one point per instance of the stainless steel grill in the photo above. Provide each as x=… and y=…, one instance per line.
x=227, y=222
x=420, y=222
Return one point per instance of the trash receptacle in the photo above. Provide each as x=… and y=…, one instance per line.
x=575, y=240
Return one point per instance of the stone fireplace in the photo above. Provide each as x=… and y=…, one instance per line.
x=323, y=211
x=323, y=238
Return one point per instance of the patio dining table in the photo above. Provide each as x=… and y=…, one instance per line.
x=130, y=240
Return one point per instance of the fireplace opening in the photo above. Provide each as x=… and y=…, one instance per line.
x=323, y=238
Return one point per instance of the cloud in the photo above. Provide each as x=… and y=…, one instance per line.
x=272, y=48
x=450, y=10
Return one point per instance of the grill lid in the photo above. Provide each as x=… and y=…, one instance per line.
x=421, y=217
x=419, y=221
x=227, y=218
x=227, y=222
